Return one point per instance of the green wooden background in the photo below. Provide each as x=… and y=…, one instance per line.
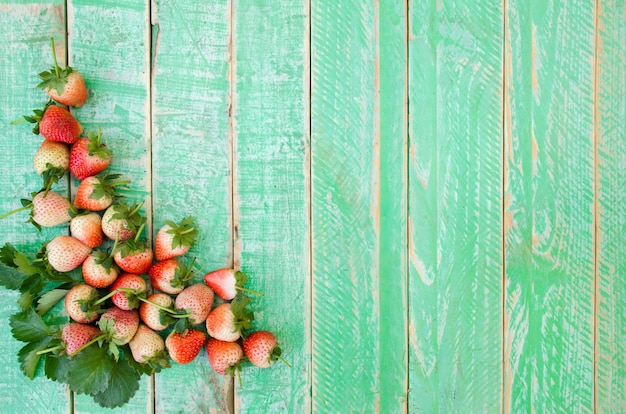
x=430, y=193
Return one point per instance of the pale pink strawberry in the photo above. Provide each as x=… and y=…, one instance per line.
x=82, y=297
x=133, y=256
x=152, y=315
x=174, y=240
x=227, y=283
x=51, y=154
x=65, y=86
x=88, y=229
x=98, y=270
x=122, y=221
x=261, y=349
x=75, y=335
x=97, y=193
x=147, y=346
x=128, y=300
x=89, y=156
x=196, y=299
x=228, y=321
x=50, y=209
x=121, y=324
x=224, y=356
x=170, y=276
x=65, y=253
x=184, y=347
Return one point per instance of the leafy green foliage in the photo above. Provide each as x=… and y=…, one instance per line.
x=56, y=367
x=49, y=299
x=10, y=278
x=90, y=370
x=185, y=232
x=130, y=213
x=122, y=385
x=29, y=358
x=243, y=315
x=105, y=187
x=27, y=326
x=95, y=146
x=55, y=78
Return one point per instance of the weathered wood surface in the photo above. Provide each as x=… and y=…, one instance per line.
x=430, y=194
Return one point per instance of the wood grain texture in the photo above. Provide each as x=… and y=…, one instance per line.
x=191, y=165
x=549, y=201
x=109, y=43
x=358, y=120
x=271, y=150
x=27, y=27
x=611, y=204
x=455, y=203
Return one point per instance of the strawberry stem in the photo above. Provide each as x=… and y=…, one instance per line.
x=110, y=294
x=281, y=359
x=45, y=351
x=138, y=235
x=254, y=292
x=163, y=308
x=136, y=208
x=18, y=121
x=93, y=340
x=54, y=58
x=26, y=207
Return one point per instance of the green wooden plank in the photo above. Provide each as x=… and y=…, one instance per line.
x=191, y=164
x=24, y=52
x=109, y=43
x=611, y=220
x=549, y=201
x=455, y=201
x=359, y=123
x=271, y=149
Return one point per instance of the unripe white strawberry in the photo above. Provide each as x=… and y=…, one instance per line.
x=78, y=297
x=56, y=154
x=88, y=229
x=50, y=209
x=145, y=344
x=65, y=253
x=75, y=335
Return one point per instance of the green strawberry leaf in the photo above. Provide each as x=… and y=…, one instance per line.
x=7, y=254
x=56, y=367
x=10, y=278
x=122, y=385
x=185, y=233
x=28, y=357
x=140, y=369
x=89, y=371
x=95, y=147
x=27, y=326
x=49, y=299
x=24, y=264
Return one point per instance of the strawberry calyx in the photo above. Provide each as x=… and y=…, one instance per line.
x=104, y=258
x=235, y=371
x=51, y=175
x=96, y=147
x=36, y=117
x=240, y=280
x=183, y=274
x=243, y=316
x=158, y=361
x=275, y=355
x=91, y=305
x=185, y=233
x=130, y=213
x=55, y=78
x=106, y=186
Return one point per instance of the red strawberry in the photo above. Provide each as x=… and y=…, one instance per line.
x=170, y=276
x=228, y=321
x=88, y=229
x=174, y=240
x=120, y=324
x=50, y=209
x=261, y=349
x=51, y=154
x=227, y=282
x=122, y=221
x=80, y=303
x=97, y=193
x=133, y=256
x=89, y=156
x=98, y=269
x=197, y=300
x=153, y=316
x=148, y=347
x=128, y=300
x=184, y=347
x=66, y=253
x=75, y=335
x=224, y=356
x=65, y=86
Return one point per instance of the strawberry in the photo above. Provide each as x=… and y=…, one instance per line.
x=223, y=356
x=133, y=256
x=134, y=286
x=261, y=349
x=51, y=155
x=184, y=347
x=54, y=123
x=120, y=324
x=228, y=321
x=46, y=210
x=170, y=276
x=88, y=229
x=98, y=269
x=153, y=316
x=97, y=193
x=122, y=221
x=66, y=253
x=81, y=303
x=89, y=156
x=174, y=240
x=227, y=282
x=65, y=86
x=76, y=335
x=147, y=347
x=197, y=300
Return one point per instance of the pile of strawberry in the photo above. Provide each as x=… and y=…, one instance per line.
x=120, y=326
